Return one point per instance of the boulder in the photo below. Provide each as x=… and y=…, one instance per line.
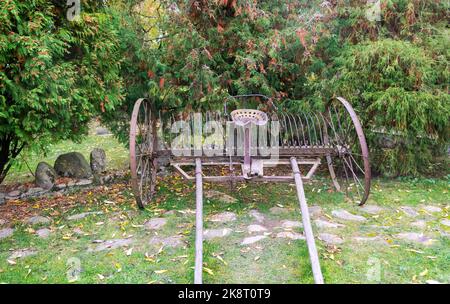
x=73, y=164
x=98, y=160
x=45, y=176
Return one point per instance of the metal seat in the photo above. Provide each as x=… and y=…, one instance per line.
x=243, y=117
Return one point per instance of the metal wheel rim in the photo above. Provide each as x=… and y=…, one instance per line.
x=353, y=158
x=142, y=143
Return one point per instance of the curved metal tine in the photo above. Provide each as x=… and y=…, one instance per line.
x=303, y=131
x=161, y=132
x=222, y=124
x=149, y=124
x=315, y=131
x=287, y=130
x=274, y=117
x=172, y=121
x=326, y=144
x=319, y=126
x=206, y=114
x=140, y=138
x=144, y=126
x=297, y=144
x=335, y=138
x=191, y=140
x=338, y=116
x=291, y=131
x=284, y=132
x=309, y=142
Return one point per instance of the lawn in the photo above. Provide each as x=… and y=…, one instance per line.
x=114, y=242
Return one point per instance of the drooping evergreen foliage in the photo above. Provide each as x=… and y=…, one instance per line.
x=56, y=74
x=393, y=69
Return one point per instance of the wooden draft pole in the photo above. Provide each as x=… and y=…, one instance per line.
x=198, y=222
x=313, y=256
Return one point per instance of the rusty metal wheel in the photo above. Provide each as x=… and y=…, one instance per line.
x=350, y=167
x=142, y=160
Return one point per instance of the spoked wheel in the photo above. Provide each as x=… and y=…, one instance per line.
x=349, y=166
x=142, y=143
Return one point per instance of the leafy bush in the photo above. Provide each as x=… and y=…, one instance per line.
x=56, y=75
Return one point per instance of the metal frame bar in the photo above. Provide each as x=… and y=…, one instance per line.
x=313, y=255
x=286, y=178
x=198, y=222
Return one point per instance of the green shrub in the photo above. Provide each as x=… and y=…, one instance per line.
x=396, y=89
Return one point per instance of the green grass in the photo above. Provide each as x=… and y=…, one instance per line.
x=269, y=261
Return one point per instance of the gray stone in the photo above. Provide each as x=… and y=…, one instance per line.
x=432, y=209
x=315, y=211
x=80, y=216
x=171, y=241
x=84, y=182
x=347, y=216
x=324, y=224
x=73, y=164
x=61, y=186
x=372, y=209
x=419, y=224
x=43, y=233
x=212, y=194
x=170, y=212
x=256, y=228
x=369, y=239
x=278, y=210
x=38, y=220
x=445, y=222
x=98, y=160
x=330, y=239
x=414, y=237
x=45, y=176
x=155, y=223
x=3, y=222
x=409, y=211
x=258, y=216
x=291, y=224
x=290, y=235
x=22, y=253
x=2, y=198
x=253, y=239
x=101, y=131
x=223, y=217
x=6, y=232
x=34, y=192
x=210, y=234
x=113, y=244
x=14, y=194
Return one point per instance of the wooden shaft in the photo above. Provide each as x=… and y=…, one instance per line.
x=198, y=222
x=313, y=256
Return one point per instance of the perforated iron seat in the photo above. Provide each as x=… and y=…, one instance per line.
x=243, y=117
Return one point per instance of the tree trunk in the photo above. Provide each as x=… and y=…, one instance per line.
x=10, y=148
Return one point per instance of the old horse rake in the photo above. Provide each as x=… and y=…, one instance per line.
x=250, y=143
